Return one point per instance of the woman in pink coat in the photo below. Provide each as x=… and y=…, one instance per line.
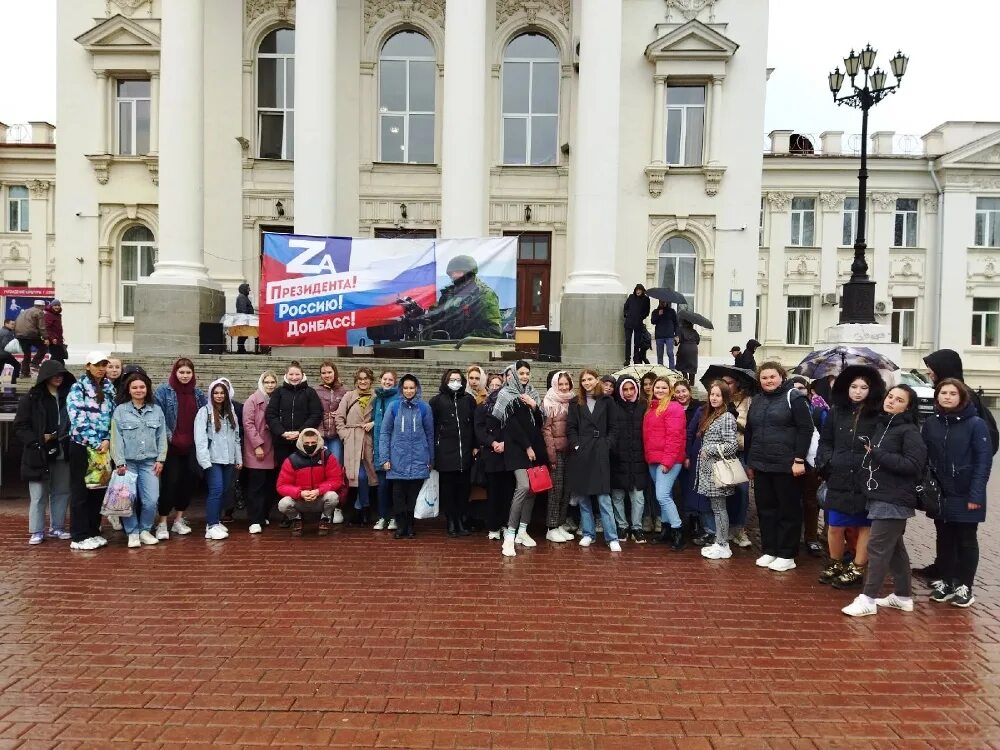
x=664, y=436
x=258, y=453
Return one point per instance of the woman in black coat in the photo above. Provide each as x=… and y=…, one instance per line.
x=293, y=407
x=489, y=439
x=629, y=470
x=453, y=410
x=687, y=350
x=590, y=436
x=858, y=393
x=636, y=310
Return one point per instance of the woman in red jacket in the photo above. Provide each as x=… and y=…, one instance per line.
x=664, y=435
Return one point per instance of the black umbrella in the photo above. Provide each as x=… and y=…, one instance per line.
x=746, y=378
x=667, y=295
x=695, y=319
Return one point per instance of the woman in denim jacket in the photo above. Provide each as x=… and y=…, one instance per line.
x=139, y=445
x=217, y=446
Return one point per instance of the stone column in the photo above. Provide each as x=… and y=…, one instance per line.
x=154, y=112
x=659, y=145
x=591, y=313
x=715, y=113
x=104, y=138
x=464, y=187
x=38, y=216
x=315, y=180
x=179, y=295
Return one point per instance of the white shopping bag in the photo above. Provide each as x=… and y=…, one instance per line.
x=427, y=501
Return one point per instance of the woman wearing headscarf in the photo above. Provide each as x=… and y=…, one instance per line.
x=499, y=481
x=258, y=453
x=629, y=472
x=555, y=407
x=356, y=425
x=475, y=384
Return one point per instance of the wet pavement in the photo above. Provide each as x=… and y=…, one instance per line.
x=359, y=640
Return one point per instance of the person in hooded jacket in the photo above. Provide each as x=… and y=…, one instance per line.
x=292, y=407
x=746, y=358
x=41, y=425
x=54, y=336
x=311, y=480
x=180, y=399
x=453, y=410
x=356, y=427
x=629, y=472
x=635, y=312
x=858, y=396
x=778, y=433
x=499, y=481
x=406, y=450
x=217, y=448
x=243, y=307
x=958, y=452
x=664, y=320
x=386, y=393
x=235, y=488
x=555, y=407
x=941, y=364
x=258, y=453
x=893, y=465
x=687, y=350
x=330, y=391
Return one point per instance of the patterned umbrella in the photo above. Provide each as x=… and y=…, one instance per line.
x=637, y=371
x=820, y=364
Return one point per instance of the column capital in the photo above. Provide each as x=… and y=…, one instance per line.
x=101, y=74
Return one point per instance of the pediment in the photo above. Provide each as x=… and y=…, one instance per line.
x=119, y=34
x=692, y=41
x=987, y=155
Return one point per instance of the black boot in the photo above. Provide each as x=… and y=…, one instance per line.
x=400, y=532
x=664, y=537
x=677, y=537
x=452, y=531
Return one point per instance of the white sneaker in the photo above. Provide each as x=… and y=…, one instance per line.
x=223, y=527
x=99, y=540
x=392, y=523
x=615, y=546
x=725, y=552
x=146, y=538
x=86, y=544
x=781, y=564
x=709, y=552
x=524, y=540
x=554, y=535
x=338, y=515
x=861, y=607
x=494, y=535
x=508, y=550
x=180, y=528
x=216, y=533
x=379, y=525
x=134, y=541
x=894, y=602
x=567, y=535
x=255, y=528
x=161, y=531
x=115, y=522
x=765, y=560
x=586, y=541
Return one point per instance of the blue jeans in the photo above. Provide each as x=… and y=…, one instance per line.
x=669, y=344
x=362, y=499
x=664, y=484
x=587, y=524
x=738, y=504
x=384, y=496
x=637, y=504
x=334, y=447
x=217, y=477
x=148, y=487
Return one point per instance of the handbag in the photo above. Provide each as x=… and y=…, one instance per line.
x=728, y=472
x=98, y=469
x=428, y=503
x=929, y=494
x=539, y=478
x=13, y=347
x=477, y=476
x=120, y=497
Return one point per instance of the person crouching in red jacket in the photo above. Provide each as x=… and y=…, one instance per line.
x=311, y=480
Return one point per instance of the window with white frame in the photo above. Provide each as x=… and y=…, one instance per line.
x=17, y=208
x=850, y=224
x=407, y=73
x=760, y=227
x=985, y=321
x=133, y=112
x=276, y=95
x=531, y=101
x=799, y=330
x=987, y=222
x=904, y=320
x=905, y=234
x=803, y=222
x=137, y=257
x=685, y=125
x=678, y=259
x=756, y=323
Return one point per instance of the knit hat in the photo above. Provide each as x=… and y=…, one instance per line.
x=55, y=302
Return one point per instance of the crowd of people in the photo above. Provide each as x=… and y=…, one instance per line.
x=632, y=460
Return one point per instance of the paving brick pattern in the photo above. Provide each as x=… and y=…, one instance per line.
x=358, y=640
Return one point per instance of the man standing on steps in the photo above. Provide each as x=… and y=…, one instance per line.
x=243, y=307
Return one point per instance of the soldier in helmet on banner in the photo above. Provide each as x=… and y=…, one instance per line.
x=467, y=306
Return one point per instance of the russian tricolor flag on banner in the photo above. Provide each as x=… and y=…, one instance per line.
x=316, y=290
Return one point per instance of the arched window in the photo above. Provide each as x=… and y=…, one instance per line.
x=407, y=72
x=677, y=263
x=530, y=101
x=276, y=95
x=137, y=256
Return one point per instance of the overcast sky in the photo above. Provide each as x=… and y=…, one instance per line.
x=949, y=78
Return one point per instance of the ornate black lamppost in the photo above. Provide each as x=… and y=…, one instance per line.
x=858, y=303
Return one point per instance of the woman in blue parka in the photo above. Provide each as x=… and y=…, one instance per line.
x=406, y=450
x=961, y=455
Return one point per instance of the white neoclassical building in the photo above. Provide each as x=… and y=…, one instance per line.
x=619, y=140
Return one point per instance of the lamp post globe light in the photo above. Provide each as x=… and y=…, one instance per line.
x=858, y=302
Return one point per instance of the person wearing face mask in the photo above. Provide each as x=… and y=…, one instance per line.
x=858, y=395
x=386, y=394
x=453, y=410
x=217, y=447
x=961, y=455
x=330, y=391
x=555, y=407
x=406, y=451
x=893, y=466
x=664, y=438
x=258, y=453
x=356, y=425
x=499, y=481
x=310, y=481
x=629, y=473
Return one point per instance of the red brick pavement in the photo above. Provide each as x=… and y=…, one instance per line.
x=358, y=640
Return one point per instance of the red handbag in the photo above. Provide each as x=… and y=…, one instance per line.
x=539, y=479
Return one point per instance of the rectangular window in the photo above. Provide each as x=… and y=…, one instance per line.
x=685, y=125
x=799, y=330
x=756, y=324
x=850, y=222
x=17, y=208
x=133, y=112
x=987, y=222
x=803, y=222
x=905, y=234
x=985, y=321
x=760, y=227
x=904, y=317
x=276, y=105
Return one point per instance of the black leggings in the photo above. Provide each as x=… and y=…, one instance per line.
x=404, y=496
x=84, y=504
x=261, y=494
x=959, y=552
x=177, y=483
x=499, y=491
x=779, y=512
x=453, y=489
